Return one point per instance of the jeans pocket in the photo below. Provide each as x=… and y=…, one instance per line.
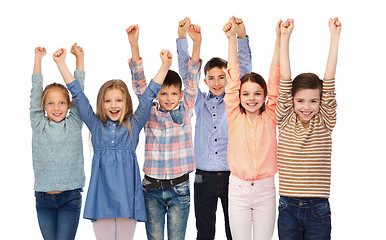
x=283, y=204
x=322, y=212
x=198, y=178
x=182, y=189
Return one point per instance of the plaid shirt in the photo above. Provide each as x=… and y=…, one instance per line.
x=169, y=147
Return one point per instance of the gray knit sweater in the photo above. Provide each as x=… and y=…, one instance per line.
x=57, y=148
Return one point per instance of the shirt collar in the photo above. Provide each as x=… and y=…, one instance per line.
x=211, y=95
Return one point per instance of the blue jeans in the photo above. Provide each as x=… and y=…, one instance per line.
x=174, y=202
x=304, y=218
x=58, y=214
x=208, y=188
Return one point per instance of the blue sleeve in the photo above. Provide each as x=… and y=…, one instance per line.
x=183, y=58
x=142, y=113
x=83, y=105
x=80, y=76
x=36, y=111
x=245, y=57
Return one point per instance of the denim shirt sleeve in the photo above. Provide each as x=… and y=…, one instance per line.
x=245, y=57
x=142, y=113
x=36, y=111
x=83, y=105
x=183, y=58
x=74, y=113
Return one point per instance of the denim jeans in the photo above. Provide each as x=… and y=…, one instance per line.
x=58, y=214
x=174, y=202
x=208, y=188
x=304, y=218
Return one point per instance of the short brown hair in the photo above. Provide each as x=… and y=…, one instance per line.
x=306, y=81
x=172, y=79
x=215, y=62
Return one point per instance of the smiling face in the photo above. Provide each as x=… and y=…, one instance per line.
x=306, y=104
x=169, y=97
x=252, y=98
x=216, y=80
x=56, y=105
x=113, y=103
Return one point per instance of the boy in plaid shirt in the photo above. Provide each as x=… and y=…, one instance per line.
x=169, y=155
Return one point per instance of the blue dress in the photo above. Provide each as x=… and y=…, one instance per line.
x=115, y=189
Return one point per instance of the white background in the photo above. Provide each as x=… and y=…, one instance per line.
x=358, y=178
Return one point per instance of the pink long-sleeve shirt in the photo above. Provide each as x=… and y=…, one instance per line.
x=252, y=146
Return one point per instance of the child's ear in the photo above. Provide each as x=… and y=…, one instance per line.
x=206, y=82
x=69, y=105
x=182, y=94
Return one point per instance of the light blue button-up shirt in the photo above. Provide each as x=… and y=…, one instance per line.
x=211, y=131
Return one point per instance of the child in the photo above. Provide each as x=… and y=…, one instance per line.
x=57, y=152
x=306, y=116
x=211, y=134
x=114, y=199
x=252, y=144
x=169, y=150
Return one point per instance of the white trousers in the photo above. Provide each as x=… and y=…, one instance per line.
x=252, y=208
x=114, y=228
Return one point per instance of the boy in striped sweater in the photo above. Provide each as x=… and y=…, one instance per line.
x=306, y=116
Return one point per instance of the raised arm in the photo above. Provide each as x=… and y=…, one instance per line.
x=194, y=32
x=40, y=52
x=286, y=30
x=59, y=58
x=335, y=29
x=133, y=35
x=166, y=58
x=243, y=49
x=230, y=32
x=79, y=54
x=182, y=48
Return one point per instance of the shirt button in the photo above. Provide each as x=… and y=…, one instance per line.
x=214, y=115
x=214, y=127
x=301, y=204
x=112, y=141
x=252, y=183
x=215, y=140
x=216, y=152
x=213, y=107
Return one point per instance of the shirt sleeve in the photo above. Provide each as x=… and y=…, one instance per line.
x=273, y=91
x=83, y=105
x=232, y=92
x=328, y=104
x=284, y=103
x=138, y=77
x=80, y=76
x=36, y=111
x=142, y=113
x=191, y=84
x=245, y=57
x=183, y=58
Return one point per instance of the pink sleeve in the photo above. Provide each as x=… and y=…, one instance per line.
x=273, y=92
x=232, y=92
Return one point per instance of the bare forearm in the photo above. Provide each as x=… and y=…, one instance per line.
x=285, y=69
x=276, y=53
x=332, y=58
x=66, y=74
x=233, y=58
x=38, y=66
x=135, y=51
x=196, y=51
x=161, y=74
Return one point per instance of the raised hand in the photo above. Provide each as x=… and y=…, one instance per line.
x=60, y=55
x=77, y=51
x=133, y=33
x=166, y=58
x=230, y=28
x=183, y=26
x=40, y=52
x=240, y=27
x=194, y=32
x=287, y=27
x=335, y=27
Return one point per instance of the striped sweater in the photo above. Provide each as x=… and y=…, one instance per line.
x=304, y=154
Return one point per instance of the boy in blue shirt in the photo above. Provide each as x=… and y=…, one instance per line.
x=211, y=132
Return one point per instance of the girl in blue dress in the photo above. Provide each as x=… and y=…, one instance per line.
x=114, y=199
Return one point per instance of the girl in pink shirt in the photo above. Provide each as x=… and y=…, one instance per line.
x=252, y=144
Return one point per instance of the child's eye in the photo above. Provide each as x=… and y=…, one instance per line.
x=162, y=94
x=62, y=103
x=245, y=94
x=119, y=100
x=107, y=101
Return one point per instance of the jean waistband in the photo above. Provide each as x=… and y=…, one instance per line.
x=304, y=200
x=219, y=173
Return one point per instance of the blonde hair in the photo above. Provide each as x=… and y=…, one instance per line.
x=56, y=86
x=127, y=110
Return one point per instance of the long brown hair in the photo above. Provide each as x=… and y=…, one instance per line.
x=255, y=78
x=127, y=110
